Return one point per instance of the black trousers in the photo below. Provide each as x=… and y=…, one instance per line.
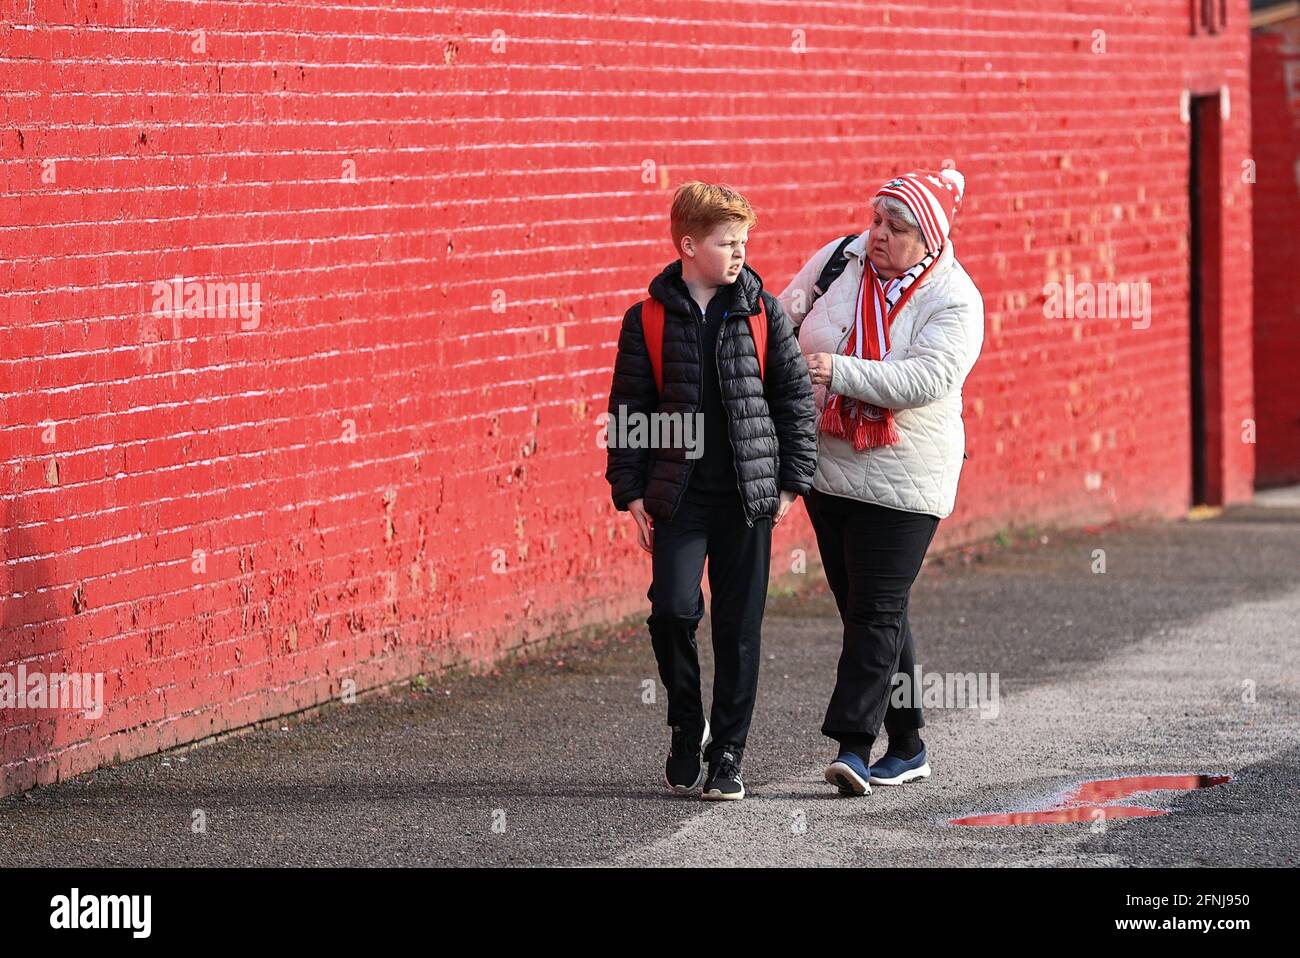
x=739, y=558
x=872, y=555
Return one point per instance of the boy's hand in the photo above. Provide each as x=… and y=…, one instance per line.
x=645, y=526
x=787, y=500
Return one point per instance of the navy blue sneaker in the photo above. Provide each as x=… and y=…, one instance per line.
x=849, y=774
x=892, y=770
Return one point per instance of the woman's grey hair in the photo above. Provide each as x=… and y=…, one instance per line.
x=895, y=208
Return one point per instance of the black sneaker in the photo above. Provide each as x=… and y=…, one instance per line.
x=724, y=782
x=684, y=772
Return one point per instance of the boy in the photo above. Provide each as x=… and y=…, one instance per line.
x=710, y=324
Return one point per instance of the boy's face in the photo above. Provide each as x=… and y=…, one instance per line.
x=717, y=258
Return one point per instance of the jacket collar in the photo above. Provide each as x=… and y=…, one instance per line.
x=858, y=248
x=670, y=289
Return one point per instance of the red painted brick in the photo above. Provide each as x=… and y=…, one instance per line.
x=519, y=170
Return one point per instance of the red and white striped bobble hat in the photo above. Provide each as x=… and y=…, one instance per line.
x=933, y=197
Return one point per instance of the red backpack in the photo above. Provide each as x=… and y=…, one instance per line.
x=652, y=328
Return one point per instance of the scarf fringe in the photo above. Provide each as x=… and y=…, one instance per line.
x=866, y=433
x=831, y=422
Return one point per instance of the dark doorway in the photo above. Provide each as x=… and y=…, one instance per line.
x=1205, y=294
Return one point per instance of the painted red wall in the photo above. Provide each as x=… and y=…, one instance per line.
x=1275, y=142
x=183, y=509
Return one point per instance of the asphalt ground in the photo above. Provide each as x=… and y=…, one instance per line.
x=1182, y=657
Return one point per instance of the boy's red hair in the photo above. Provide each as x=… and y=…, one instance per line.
x=699, y=207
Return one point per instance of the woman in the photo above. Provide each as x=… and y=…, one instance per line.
x=888, y=346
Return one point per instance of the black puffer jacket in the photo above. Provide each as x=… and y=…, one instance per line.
x=771, y=420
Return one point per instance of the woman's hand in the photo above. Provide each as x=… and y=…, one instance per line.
x=645, y=526
x=819, y=368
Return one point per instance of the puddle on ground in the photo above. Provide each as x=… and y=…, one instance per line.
x=1090, y=801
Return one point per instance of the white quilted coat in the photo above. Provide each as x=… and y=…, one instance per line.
x=934, y=341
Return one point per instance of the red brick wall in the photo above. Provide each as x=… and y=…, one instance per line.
x=395, y=467
x=1275, y=142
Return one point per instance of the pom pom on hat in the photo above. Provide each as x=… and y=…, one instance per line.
x=957, y=178
x=933, y=197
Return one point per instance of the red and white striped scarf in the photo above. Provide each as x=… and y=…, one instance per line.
x=854, y=419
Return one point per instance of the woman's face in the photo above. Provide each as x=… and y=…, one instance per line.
x=894, y=246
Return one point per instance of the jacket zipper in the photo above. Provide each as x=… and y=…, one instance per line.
x=718, y=365
x=699, y=345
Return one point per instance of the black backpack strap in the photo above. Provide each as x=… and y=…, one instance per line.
x=832, y=270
